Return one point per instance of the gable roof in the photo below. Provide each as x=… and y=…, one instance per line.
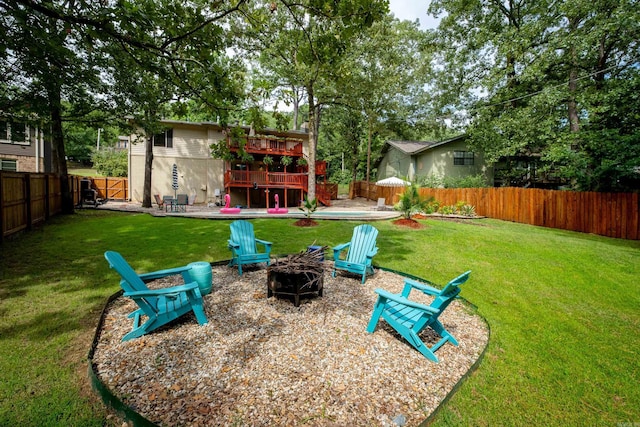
x=416, y=147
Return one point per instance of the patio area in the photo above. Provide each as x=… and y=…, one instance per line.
x=341, y=209
x=264, y=362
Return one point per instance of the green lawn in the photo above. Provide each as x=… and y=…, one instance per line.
x=563, y=307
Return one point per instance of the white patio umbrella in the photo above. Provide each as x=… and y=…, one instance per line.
x=393, y=181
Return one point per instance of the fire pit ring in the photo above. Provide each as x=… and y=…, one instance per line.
x=297, y=275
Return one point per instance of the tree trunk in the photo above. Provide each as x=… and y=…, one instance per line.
x=148, y=164
x=572, y=105
x=369, y=131
x=311, y=161
x=57, y=146
x=296, y=108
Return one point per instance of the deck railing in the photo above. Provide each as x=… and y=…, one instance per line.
x=267, y=145
x=237, y=178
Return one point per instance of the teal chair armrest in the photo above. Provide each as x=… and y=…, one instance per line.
x=166, y=292
x=410, y=283
x=338, y=249
x=233, y=245
x=264, y=242
x=372, y=253
x=163, y=273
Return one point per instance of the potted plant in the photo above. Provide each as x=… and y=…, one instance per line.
x=308, y=207
x=268, y=160
x=285, y=161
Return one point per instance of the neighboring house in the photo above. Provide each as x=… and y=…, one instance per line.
x=449, y=158
x=23, y=148
x=205, y=179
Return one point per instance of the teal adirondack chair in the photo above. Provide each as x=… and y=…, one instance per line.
x=360, y=252
x=159, y=305
x=244, y=246
x=410, y=318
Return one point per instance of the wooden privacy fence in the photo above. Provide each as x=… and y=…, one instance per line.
x=27, y=199
x=606, y=214
x=107, y=188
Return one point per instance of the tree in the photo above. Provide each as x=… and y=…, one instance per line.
x=44, y=63
x=537, y=79
x=303, y=44
x=88, y=53
x=387, y=72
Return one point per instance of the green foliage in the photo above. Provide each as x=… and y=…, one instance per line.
x=558, y=84
x=220, y=150
x=467, y=210
x=447, y=210
x=301, y=161
x=111, y=162
x=286, y=160
x=267, y=160
x=309, y=207
x=283, y=121
x=430, y=181
x=340, y=177
x=471, y=181
x=411, y=202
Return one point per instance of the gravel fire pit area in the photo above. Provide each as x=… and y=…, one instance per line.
x=264, y=362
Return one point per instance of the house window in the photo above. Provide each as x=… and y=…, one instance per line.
x=14, y=133
x=8, y=165
x=164, y=139
x=463, y=158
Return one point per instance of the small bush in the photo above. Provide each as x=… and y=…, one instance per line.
x=411, y=202
x=448, y=210
x=110, y=162
x=468, y=210
x=472, y=181
x=430, y=181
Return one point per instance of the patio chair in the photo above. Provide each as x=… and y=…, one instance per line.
x=410, y=318
x=160, y=306
x=360, y=252
x=243, y=246
x=182, y=200
x=159, y=201
x=167, y=202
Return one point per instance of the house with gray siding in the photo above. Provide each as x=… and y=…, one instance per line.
x=449, y=158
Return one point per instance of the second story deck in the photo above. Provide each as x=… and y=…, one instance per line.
x=268, y=145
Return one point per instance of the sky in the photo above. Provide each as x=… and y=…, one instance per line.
x=412, y=10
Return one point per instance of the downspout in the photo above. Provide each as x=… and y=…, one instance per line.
x=129, y=170
x=37, y=143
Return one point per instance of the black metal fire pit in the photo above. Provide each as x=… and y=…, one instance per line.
x=297, y=275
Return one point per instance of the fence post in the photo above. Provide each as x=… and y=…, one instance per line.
x=27, y=197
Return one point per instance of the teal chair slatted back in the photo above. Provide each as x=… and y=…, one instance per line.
x=242, y=234
x=131, y=282
x=449, y=292
x=244, y=246
x=363, y=242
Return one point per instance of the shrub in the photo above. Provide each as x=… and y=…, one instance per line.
x=411, y=202
x=448, y=210
x=472, y=181
x=467, y=210
x=110, y=162
x=430, y=181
